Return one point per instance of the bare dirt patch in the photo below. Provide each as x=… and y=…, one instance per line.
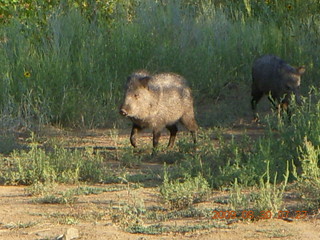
x=21, y=218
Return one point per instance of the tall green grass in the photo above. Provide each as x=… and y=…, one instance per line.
x=76, y=56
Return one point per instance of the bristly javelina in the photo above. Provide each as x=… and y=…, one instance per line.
x=277, y=79
x=158, y=101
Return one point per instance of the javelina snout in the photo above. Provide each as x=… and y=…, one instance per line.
x=156, y=102
x=124, y=110
x=274, y=77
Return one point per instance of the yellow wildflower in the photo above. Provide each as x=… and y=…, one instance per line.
x=27, y=74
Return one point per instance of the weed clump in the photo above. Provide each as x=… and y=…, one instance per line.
x=183, y=194
x=36, y=165
x=308, y=182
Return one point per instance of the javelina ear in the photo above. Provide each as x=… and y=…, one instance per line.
x=301, y=70
x=144, y=81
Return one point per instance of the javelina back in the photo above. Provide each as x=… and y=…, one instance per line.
x=274, y=77
x=157, y=102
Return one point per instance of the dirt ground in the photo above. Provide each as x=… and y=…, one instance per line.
x=23, y=218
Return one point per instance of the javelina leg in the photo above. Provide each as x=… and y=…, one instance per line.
x=194, y=136
x=173, y=133
x=190, y=123
x=156, y=137
x=133, y=137
x=256, y=96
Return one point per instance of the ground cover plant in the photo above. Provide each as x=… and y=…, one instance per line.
x=64, y=63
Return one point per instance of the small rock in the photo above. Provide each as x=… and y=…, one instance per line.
x=287, y=219
x=72, y=233
x=60, y=237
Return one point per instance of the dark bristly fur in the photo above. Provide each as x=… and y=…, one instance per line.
x=274, y=77
x=156, y=102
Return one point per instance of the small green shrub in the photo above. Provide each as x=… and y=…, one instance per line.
x=219, y=162
x=40, y=189
x=128, y=157
x=37, y=165
x=67, y=197
x=128, y=216
x=308, y=181
x=238, y=200
x=268, y=197
x=182, y=194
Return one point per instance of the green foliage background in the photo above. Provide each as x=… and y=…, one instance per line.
x=65, y=61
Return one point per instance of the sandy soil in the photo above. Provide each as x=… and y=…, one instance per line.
x=18, y=208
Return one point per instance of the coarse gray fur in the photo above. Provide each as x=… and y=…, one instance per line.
x=158, y=101
x=274, y=77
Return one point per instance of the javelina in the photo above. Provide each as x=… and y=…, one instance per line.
x=273, y=76
x=158, y=101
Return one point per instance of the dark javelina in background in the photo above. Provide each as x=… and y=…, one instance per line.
x=158, y=101
x=277, y=79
